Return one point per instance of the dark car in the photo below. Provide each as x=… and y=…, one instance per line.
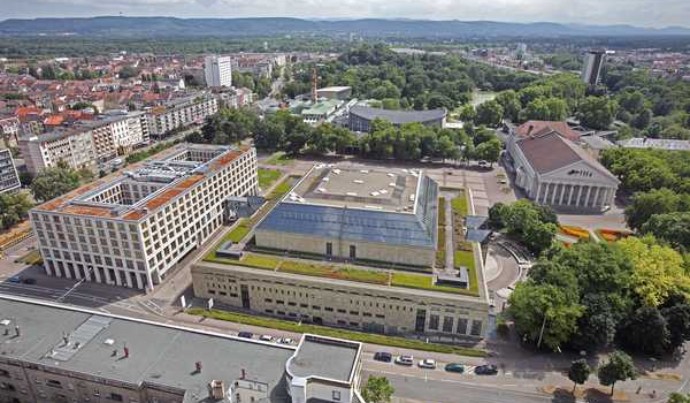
x=383, y=356
x=29, y=281
x=15, y=279
x=455, y=367
x=488, y=369
x=246, y=335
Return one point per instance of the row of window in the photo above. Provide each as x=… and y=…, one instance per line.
x=460, y=328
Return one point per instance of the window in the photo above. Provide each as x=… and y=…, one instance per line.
x=462, y=326
x=476, y=328
x=53, y=383
x=353, y=252
x=329, y=248
x=115, y=397
x=335, y=396
x=433, y=322
x=448, y=324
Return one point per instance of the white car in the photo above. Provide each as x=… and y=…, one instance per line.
x=266, y=337
x=406, y=360
x=427, y=363
x=285, y=340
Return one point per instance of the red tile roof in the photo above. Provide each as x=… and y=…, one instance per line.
x=542, y=127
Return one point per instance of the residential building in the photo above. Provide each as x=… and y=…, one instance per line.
x=218, y=71
x=360, y=117
x=656, y=144
x=553, y=170
x=66, y=354
x=9, y=129
x=591, y=70
x=180, y=113
x=129, y=230
x=9, y=178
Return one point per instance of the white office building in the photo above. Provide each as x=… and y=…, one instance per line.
x=129, y=230
x=9, y=179
x=218, y=70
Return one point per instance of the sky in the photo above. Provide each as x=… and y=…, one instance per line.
x=644, y=13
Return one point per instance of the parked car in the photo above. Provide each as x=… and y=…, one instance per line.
x=285, y=340
x=246, y=335
x=488, y=369
x=383, y=356
x=455, y=367
x=427, y=363
x=29, y=280
x=266, y=337
x=406, y=360
x=15, y=279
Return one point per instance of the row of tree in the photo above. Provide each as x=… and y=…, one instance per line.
x=285, y=132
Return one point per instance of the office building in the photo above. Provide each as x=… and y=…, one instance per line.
x=370, y=214
x=553, y=170
x=54, y=353
x=341, y=93
x=218, y=71
x=9, y=178
x=591, y=70
x=129, y=230
x=180, y=113
x=360, y=117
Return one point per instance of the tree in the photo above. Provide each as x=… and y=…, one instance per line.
x=676, y=311
x=544, y=314
x=55, y=181
x=678, y=398
x=645, y=331
x=579, y=372
x=128, y=72
x=378, y=390
x=619, y=368
x=468, y=113
x=13, y=208
x=646, y=204
x=510, y=102
x=658, y=270
x=673, y=228
x=597, y=112
x=489, y=113
x=489, y=151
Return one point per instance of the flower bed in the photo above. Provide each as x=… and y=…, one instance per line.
x=577, y=232
x=612, y=235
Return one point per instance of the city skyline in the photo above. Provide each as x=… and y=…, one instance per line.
x=642, y=13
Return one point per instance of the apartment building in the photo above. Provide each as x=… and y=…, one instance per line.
x=218, y=71
x=9, y=179
x=180, y=113
x=55, y=353
x=129, y=230
x=86, y=144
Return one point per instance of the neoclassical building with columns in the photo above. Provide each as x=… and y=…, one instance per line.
x=553, y=170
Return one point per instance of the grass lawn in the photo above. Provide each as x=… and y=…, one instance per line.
x=267, y=177
x=32, y=258
x=280, y=190
x=289, y=326
x=441, y=242
x=421, y=282
x=260, y=261
x=239, y=232
x=465, y=258
x=459, y=204
x=335, y=272
x=279, y=158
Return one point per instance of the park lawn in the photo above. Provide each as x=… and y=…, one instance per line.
x=239, y=232
x=279, y=158
x=289, y=326
x=267, y=177
x=345, y=273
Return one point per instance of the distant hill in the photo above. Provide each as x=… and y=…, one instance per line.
x=180, y=27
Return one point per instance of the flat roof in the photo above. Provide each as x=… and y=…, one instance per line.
x=159, y=354
x=398, y=116
x=324, y=357
x=376, y=189
x=165, y=170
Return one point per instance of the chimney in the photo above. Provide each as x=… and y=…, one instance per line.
x=197, y=365
x=216, y=390
x=126, y=352
x=17, y=331
x=244, y=374
x=529, y=129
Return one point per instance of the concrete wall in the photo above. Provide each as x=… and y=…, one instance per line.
x=408, y=255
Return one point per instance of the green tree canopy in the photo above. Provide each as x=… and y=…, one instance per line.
x=619, y=368
x=53, y=182
x=378, y=389
x=579, y=372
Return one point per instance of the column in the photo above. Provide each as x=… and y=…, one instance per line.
x=611, y=196
x=560, y=198
x=589, y=192
x=536, y=197
x=570, y=194
x=577, y=199
x=596, y=198
x=553, y=194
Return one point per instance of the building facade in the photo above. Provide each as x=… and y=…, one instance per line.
x=554, y=171
x=9, y=178
x=360, y=117
x=129, y=230
x=338, y=303
x=180, y=113
x=63, y=354
x=218, y=71
x=591, y=70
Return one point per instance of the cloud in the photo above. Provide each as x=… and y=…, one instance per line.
x=635, y=12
